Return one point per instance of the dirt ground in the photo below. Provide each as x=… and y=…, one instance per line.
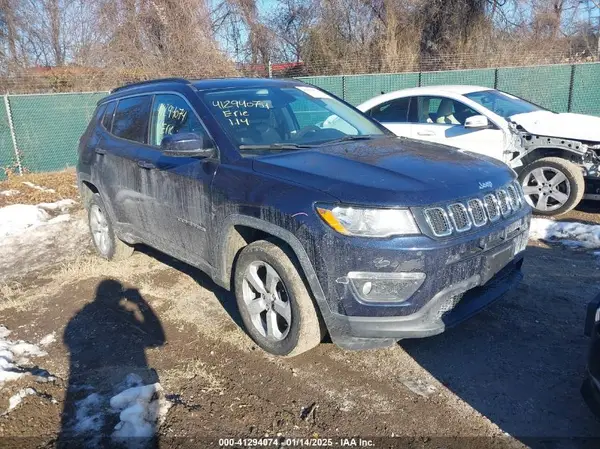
x=508, y=377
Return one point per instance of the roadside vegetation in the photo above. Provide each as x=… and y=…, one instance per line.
x=52, y=46
x=35, y=188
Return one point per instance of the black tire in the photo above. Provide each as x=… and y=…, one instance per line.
x=115, y=249
x=573, y=186
x=305, y=330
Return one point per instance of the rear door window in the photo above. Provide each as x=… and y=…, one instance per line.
x=131, y=118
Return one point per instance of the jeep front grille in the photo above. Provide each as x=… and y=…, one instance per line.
x=514, y=196
x=438, y=221
x=460, y=217
x=504, y=202
x=475, y=212
x=491, y=206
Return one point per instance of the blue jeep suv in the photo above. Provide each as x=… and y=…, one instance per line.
x=315, y=216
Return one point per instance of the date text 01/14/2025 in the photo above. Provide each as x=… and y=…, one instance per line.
x=295, y=442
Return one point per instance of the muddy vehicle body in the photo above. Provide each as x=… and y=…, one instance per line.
x=345, y=229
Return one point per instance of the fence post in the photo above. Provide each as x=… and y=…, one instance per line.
x=13, y=136
x=419, y=85
x=270, y=69
x=571, y=82
x=496, y=78
x=344, y=87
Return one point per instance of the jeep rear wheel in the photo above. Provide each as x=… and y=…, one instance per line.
x=105, y=240
x=274, y=303
x=552, y=186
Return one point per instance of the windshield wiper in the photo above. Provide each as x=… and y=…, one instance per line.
x=350, y=138
x=275, y=146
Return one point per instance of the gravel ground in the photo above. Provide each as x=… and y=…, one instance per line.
x=506, y=378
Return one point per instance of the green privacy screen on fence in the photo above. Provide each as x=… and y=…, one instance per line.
x=6, y=146
x=48, y=127
x=552, y=86
x=586, y=89
x=547, y=86
x=476, y=77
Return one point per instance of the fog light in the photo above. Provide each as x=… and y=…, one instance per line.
x=366, y=288
x=385, y=287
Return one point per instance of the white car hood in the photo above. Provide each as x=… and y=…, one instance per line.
x=568, y=126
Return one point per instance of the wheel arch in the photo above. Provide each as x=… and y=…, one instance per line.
x=543, y=152
x=87, y=189
x=240, y=230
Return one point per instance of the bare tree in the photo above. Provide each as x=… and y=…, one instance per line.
x=291, y=23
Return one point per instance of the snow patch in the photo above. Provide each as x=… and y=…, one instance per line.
x=40, y=188
x=142, y=409
x=569, y=233
x=61, y=205
x=10, y=192
x=18, y=397
x=420, y=387
x=89, y=414
x=48, y=339
x=13, y=354
x=17, y=218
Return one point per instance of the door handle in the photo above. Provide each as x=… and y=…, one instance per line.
x=425, y=133
x=100, y=151
x=146, y=165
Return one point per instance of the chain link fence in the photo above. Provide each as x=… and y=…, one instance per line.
x=40, y=132
x=560, y=88
x=46, y=130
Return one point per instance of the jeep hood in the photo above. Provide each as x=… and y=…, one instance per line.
x=388, y=171
x=567, y=126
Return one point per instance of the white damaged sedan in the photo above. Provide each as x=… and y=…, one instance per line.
x=557, y=156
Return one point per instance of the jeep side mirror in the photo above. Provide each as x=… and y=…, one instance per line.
x=477, y=121
x=186, y=145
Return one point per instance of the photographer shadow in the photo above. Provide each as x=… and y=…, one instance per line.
x=107, y=340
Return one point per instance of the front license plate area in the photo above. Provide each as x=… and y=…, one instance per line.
x=496, y=261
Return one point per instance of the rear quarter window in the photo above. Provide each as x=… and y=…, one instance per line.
x=95, y=119
x=108, y=115
x=131, y=118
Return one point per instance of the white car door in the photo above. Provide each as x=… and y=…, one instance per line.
x=393, y=115
x=441, y=120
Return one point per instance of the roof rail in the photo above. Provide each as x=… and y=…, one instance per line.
x=142, y=83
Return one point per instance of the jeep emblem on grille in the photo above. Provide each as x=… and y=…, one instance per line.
x=485, y=185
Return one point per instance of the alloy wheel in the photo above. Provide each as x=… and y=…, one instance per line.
x=546, y=188
x=266, y=300
x=100, y=230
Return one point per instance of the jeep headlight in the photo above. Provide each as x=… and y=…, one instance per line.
x=363, y=222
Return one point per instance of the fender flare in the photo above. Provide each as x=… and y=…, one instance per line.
x=286, y=236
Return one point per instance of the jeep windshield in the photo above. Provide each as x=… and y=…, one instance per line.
x=503, y=104
x=286, y=118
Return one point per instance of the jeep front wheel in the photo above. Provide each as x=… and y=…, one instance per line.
x=274, y=303
x=552, y=186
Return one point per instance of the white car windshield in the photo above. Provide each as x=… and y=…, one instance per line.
x=286, y=117
x=502, y=104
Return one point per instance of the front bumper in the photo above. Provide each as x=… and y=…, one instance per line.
x=459, y=283
x=449, y=307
